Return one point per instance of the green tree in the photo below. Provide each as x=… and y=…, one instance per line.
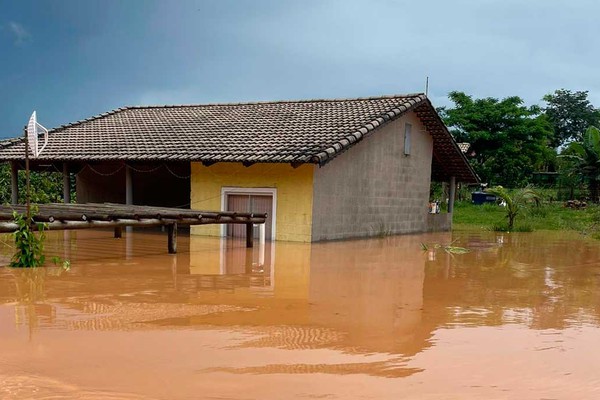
x=515, y=201
x=46, y=187
x=508, y=140
x=585, y=160
x=570, y=114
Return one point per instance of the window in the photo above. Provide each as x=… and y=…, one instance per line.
x=407, y=133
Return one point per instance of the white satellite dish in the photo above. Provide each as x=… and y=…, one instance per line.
x=34, y=130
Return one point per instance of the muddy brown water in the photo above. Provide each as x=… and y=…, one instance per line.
x=516, y=318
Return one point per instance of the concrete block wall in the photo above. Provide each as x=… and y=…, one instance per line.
x=374, y=189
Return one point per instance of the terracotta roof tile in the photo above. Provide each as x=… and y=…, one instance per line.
x=312, y=131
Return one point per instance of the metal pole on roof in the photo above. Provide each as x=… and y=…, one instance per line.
x=27, y=185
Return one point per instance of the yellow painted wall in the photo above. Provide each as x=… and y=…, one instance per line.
x=294, y=194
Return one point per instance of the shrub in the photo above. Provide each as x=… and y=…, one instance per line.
x=29, y=247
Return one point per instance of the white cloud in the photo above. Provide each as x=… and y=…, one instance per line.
x=21, y=35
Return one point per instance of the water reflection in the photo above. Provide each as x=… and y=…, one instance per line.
x=543, y=281
x=374, y=308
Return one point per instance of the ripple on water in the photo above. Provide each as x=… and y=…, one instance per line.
x=19, y=387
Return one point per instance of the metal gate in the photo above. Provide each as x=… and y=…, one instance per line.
x=252, y=203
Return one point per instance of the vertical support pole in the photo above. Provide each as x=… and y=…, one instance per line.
x=128, y=191
x=128, y=185
x=66, y=184
x=452, y=194
x=14, y=183
x=249, y=235
x=172, y=241
x=27, y=183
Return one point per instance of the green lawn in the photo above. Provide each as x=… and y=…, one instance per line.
x=549, y=216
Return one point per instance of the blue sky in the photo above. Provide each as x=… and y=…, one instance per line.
x=70, y=60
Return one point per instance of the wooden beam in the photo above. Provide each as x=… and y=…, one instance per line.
x=247, y=163
x=118, y=232
x=249, y=235
x=296, y=164
x=208, y=163
x=172, y=238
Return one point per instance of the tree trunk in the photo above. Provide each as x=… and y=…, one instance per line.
x=595, y=191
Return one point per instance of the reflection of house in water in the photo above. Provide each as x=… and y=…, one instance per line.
x=383, y=297
x=363, y=296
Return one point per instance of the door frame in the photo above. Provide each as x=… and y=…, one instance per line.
x=257, y=191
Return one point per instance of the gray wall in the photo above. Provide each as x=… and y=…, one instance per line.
x=156, y=188
x=374, y=189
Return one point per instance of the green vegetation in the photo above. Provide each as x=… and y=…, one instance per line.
x=511, y=142
x=508, y=141
x=516, y=201
x=46, y=187
x=29, y=247
x=549, y=216
x=570, y=114
x=448, y=248
x=584, y=157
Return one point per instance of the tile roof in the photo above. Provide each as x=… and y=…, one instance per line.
x=307, y=131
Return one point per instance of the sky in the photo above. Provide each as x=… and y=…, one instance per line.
x=70, y=60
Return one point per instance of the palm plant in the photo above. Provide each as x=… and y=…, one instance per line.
x=586, y=160
x=515, y=201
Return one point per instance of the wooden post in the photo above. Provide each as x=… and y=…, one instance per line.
x=249, y=235
x=128, y=191
x=118, y=232
x=14, y=183
x=128, y=186
x=66, y=184
x=452, y=194
x=172, y=241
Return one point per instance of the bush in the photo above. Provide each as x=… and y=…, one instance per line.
x=29, y=247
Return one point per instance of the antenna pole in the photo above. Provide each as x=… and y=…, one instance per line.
x=426, y=86
x=27, y=187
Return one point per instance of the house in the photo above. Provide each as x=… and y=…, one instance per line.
x=321, y=169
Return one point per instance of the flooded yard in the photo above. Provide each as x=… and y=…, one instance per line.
x=517, y=317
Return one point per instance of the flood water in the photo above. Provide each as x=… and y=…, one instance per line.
x=516, y=318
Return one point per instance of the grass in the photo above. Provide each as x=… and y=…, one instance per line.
x=549, y=216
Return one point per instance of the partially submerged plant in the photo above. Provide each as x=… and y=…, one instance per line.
x=515, y=201
x=29, y=247
x=447, y=248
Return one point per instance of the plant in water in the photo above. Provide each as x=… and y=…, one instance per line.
x=447, y=248
x=515, y=201
x=29, y=247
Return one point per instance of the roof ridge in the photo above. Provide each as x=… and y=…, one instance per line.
x=318, y=100
x=92, y=118
x=138, y=107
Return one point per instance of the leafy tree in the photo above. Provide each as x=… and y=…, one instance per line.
x=46, y=187
x=585, y=160
x=508, y=140
x=570, y=114
x=515, y=201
